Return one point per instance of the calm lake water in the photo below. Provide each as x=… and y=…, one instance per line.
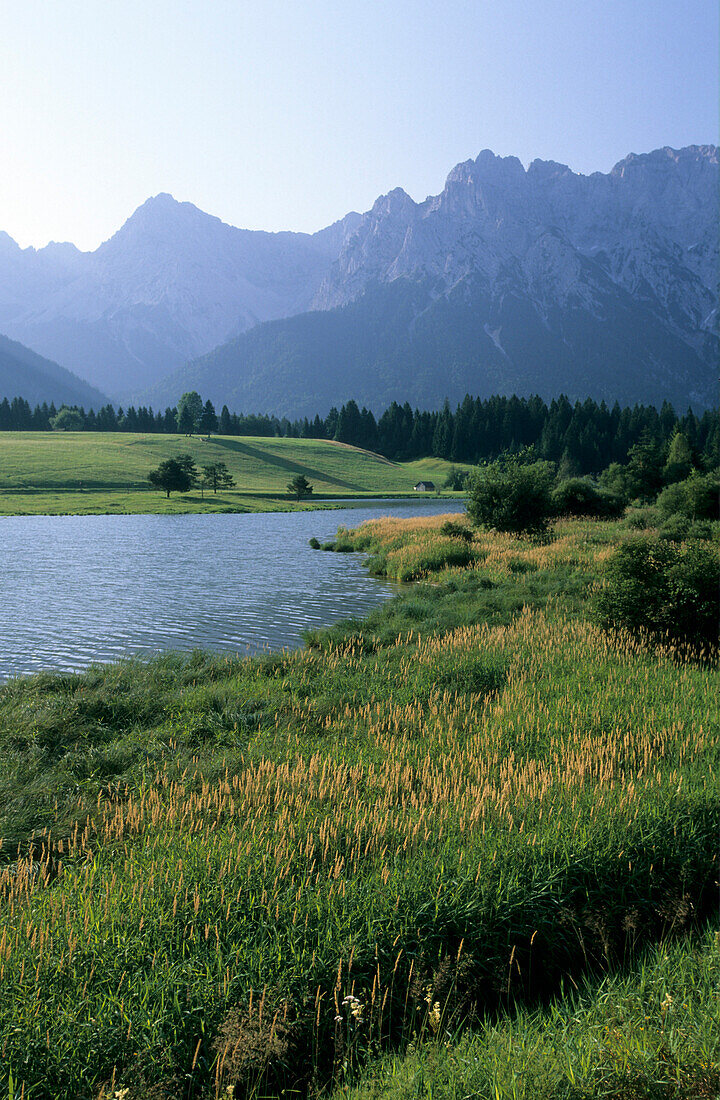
x=78, y=589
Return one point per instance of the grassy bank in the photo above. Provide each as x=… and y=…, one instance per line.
x=467, y=800
x=85, y=472
x=651, y=1031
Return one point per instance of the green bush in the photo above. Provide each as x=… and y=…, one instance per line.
x=456, y=479
x=579, y=496
x=675, y=529
x=653, y=586
x=640, y=517
x=701, y=529
x=696, y=498
x=513, y=496
x=455, y=530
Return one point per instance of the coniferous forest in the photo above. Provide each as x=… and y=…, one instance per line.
x=583, y=438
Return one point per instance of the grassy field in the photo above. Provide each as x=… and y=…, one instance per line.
x=85, y=472
x=238, y=877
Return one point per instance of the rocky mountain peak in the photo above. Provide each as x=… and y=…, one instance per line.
x=546, y=251
x=396, y=203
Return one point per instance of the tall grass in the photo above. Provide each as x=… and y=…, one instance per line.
x=652, y=1032
x=258, y=874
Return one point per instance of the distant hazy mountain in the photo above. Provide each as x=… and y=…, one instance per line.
x=508, y=281
x=23, y=373
x=171, y=284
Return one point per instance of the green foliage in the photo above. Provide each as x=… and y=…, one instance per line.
x=208, y=421
x=654, y=586
x=649, y=1033
x=641, y=517
x=613, y=479
x=644, y=469
x=189, y=412
x=675, y=528
x=175, y=475
x=455, y=530
x=695, y=498
x=579, y=496
x=457, y=479
x=68, y=420
x=679, y=461
x=513, y=496
x=300, y=487
x=217, y=476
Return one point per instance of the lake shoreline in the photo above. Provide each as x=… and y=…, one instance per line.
x=88, y=502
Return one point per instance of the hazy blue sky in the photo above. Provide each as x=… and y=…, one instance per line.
x=286, y=115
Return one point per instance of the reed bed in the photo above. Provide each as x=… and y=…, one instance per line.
x=421, y=547
x=238, y=877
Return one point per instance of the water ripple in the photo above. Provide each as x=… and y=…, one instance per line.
x=80, y=589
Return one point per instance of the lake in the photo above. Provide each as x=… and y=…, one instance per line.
x=79, y=589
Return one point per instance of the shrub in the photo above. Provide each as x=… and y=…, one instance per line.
x=697, y=497
x=675, y=529
x=456, y=479
x=456, y=531
x=653, y=586
x=579, y=496
x=701, y=529
x=640, y=517
x=513, y=496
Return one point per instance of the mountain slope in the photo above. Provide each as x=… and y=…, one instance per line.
x=23, y=373
x=514, y=279
x=171, y=284
x=508, y=281
x=398, y=343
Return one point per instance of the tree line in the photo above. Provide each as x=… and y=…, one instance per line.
x=582, y=438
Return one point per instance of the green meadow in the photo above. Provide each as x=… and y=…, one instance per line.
x=466, y=847
x=87, y=472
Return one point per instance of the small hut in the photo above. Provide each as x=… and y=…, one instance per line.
x=425, y=487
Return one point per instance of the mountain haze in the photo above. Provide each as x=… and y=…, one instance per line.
x=23, y=373
x=509, y=280
x=171, y=284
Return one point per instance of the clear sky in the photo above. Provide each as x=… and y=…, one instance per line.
x=286, y=114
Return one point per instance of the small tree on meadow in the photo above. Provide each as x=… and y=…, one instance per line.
x=300, y=487
x=68, y=420
x=189, y=412
x=174, y=475
x=208, y=420
x=217, y=476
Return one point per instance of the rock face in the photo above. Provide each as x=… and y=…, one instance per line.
x=171, y=284
x=535, y=281
x=507, y=281
x=650, y=225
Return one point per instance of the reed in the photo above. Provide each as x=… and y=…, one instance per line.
x=258, y=874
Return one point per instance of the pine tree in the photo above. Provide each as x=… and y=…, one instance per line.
x=208, y=420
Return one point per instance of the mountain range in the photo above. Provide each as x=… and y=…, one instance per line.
x=510, y=280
